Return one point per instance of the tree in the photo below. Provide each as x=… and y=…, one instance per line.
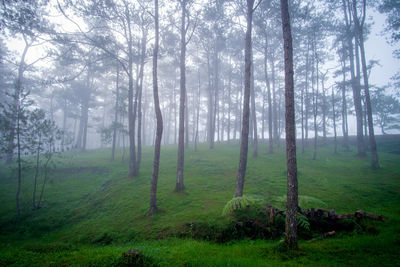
x=244, y=140
x=181, y=132
x=392, y=9
x=40, y=140
x=292, y=188
x=386, y=110
x=26, y=20
x=359, y=31
x=355, y=79
x=157, y=146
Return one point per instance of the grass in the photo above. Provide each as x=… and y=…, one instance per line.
x=92, y=212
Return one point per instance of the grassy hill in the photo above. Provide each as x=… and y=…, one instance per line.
x=92, y=212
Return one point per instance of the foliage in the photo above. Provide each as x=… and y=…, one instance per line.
x=386, y=109
x=241, y=203
x=303, y=222
x=392, y=10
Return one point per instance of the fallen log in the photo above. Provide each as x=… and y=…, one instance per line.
x=327, y=221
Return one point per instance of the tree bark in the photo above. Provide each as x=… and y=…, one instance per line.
x=244, y=140
x=115, y=116
x=196, y=137
x=18, y=87
x=354, y=83
x=359, y=31
x=36, y=171
x=344, y=106
x=307, y=100
x=292, y=188
x=139, y=97
x=334, y=120
x=131, y=106
x=181, y=146
x=267, y=81
x=315, y=98
x=253, y=110
x=157, y=146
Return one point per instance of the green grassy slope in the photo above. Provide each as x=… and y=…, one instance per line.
x=92, y=212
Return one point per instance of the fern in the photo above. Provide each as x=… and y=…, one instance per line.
x=240, y=203
x=302, y=222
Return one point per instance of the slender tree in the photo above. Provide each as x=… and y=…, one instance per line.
x=244, y=139
x=292, y=188
x=359, y=29
x=157, y=146
x=181, y=134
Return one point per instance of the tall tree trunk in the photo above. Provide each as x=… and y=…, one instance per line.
x=196, y=137
x=359, y=31
x=323, y=108
x=186, y=120
x=267, y=81
x=85, y=110
x=334, y=120
x=210, y=134
x=175, y=115
x=123, y=137
x=18, y=132
x=139, y=98
x=36, y=171
x=157, y=147
x=244, y=139
x=181, y=149
x=354, y=83
x=229, y=100
x=344, y=107
x=274, y=102
x=131, y=109
x=237, y=115
x=18, y=88
x=253, y=110
x=315, y=97
x=292, y=188
x=115, y=115
x=215, y=86
x=64, y=125
x=307, y=99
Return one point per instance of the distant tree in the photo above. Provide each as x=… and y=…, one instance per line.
x=50, y=135
x=292, y=188
x=159, y=130
x=40, y=140
x=386, y=110
x=24, y=19
x=13, y=121
x=185, y=16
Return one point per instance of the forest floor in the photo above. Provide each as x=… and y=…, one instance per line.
x=92, y=212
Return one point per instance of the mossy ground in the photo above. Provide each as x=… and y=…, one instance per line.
x=92, y=212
